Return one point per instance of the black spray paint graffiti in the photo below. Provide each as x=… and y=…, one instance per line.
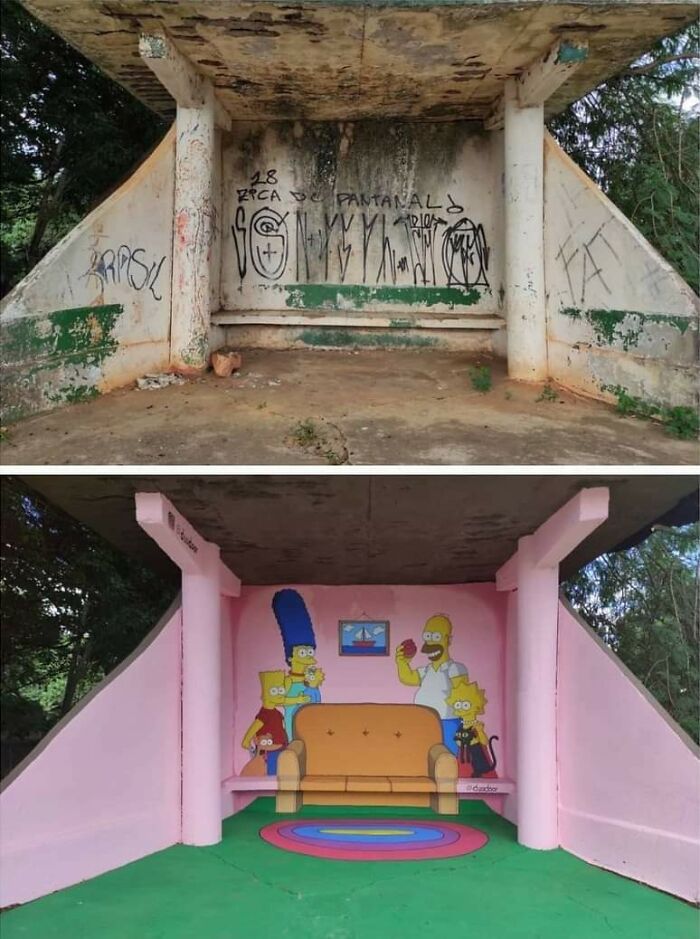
x=465, y=254
x=402, y=240
x=125, y=266
x=265, y=241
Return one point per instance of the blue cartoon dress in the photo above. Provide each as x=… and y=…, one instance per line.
x=295, y=689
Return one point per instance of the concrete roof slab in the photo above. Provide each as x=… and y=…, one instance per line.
x=351, y=60
x=336, y=529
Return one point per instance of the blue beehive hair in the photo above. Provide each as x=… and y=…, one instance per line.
x=293, y=620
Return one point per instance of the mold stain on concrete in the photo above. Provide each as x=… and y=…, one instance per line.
x=342, y=338
x=357, y=296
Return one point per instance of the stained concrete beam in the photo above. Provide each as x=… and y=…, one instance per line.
x=178, y=77
x=543, y=78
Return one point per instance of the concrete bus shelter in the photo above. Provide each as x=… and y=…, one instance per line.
x=355, y=174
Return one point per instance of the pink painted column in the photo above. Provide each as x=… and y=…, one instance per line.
x=536, y=697
x=201, y=703
x=533, y=572
x=205, y=579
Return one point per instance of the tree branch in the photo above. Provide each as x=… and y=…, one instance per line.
x=657, y=63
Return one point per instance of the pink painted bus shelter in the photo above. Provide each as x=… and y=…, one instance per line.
x=152, y=756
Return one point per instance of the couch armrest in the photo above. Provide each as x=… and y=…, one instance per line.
x=291, y=766
x=442, y=767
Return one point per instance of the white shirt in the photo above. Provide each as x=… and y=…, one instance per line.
x=436, y=684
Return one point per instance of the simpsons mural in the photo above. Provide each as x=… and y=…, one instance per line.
x=282, y=692
x=444, y=685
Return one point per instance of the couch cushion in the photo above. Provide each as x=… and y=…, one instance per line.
x=368, y=784
x=367, y=739
x=323, y=784
x=412, y=784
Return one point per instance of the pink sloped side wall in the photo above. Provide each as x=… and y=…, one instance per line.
x=103, y=788
x=629, y=794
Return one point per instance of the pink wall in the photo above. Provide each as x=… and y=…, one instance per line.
x=477, y=613
x=104, y=787
x=629, y=794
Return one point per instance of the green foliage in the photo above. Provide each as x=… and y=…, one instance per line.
x=638, y=138
x=68, y=135
x=73, y=608
x=680, y=421
x=547, y=394
x=643, y=602
x=480, y=377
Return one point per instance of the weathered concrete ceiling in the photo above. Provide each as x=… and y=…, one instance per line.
x=349, y=59
x=362, y=529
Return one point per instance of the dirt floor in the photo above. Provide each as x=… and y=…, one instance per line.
x=362, y=408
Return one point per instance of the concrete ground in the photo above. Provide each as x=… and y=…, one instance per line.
x=358, y=407
x=244, y=888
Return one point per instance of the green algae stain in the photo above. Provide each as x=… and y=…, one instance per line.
x=343, y=338
x=620, y=325
x=83, y=333
x=357, y=296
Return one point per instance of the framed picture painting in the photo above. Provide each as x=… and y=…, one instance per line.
x=363, y=637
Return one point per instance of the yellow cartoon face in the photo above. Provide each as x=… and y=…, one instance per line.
x=273, y=690
x=466, y=699
x=437, y=634
x=302, y=657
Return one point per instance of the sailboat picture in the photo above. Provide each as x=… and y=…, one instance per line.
x=363, y=637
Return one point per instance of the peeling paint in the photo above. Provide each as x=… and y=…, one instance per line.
x=609, y=325
x=357, y=296
x=571, y=52
x=340, y=338
x=85, y=331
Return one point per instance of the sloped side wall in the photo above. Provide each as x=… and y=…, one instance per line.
x=103, y=788
x=618, y=315
x=629, y=799
x=94, y=314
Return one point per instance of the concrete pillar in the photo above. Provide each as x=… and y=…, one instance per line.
x=536, y=754
x=193, y=234
x=524, y=238
x=201, y=703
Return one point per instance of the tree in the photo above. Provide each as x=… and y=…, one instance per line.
x=68, y=135
x=73, y=608
x=644, y=603
x=638, y=136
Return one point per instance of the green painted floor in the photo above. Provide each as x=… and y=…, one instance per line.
x=244, y=888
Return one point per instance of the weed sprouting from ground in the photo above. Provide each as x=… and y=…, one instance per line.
x=680, y=421
x=547, y=394
x=480, y=377
x=308, y=436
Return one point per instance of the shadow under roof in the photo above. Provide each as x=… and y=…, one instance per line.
x=334, y=529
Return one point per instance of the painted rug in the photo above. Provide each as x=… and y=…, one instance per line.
x=390, y=839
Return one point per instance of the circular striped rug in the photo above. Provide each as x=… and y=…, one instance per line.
x=388, y=839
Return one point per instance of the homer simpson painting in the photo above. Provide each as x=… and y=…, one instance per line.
x=434, y=680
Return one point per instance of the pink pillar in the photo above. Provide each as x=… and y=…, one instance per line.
x=201, y=703
x=536, y=671
x=205, y=580
x=533, y=572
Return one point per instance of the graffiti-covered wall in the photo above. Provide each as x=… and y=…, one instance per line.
x=94, y=314
x=618, y=315
x=442, y=647
x=371, y=216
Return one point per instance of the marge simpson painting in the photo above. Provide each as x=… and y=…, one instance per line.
x=363, y=637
